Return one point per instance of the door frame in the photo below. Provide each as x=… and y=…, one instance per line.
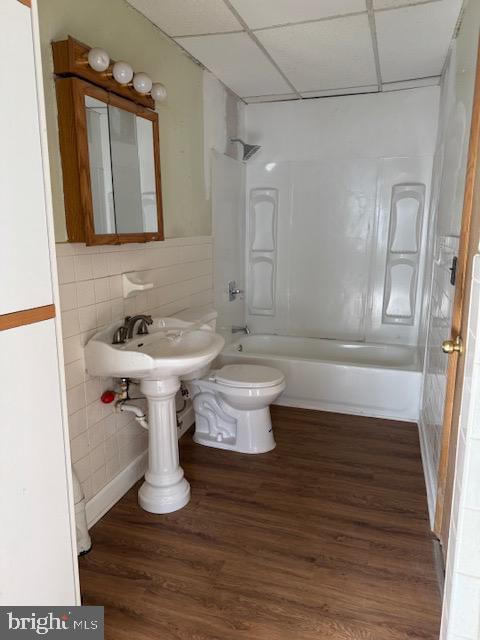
x=468, y=247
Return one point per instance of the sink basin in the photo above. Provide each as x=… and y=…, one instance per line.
x=172, y=347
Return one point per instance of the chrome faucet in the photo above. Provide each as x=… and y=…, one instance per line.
x=125, y=332
x=120, y=334
x=142, y=329
x=238, y=329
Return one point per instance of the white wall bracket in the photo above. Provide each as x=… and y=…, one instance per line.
x=131, y=284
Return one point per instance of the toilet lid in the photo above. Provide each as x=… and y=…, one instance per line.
x=248, y=375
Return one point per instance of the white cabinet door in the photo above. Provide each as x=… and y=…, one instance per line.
x=37, y=566
x=24, y=249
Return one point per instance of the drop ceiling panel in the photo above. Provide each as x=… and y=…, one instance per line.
x=332, y=54
x=238, y=62
x=265, y=13
x=185, y=17
x=413, y=42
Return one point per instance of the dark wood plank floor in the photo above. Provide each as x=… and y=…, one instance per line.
x=324, y=538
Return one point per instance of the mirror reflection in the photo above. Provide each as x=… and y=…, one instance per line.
x=100, y=165
x=122, y=169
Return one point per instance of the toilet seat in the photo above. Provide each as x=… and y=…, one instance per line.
x=247, y=376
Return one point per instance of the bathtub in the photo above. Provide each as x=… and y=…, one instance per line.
x=377, y=380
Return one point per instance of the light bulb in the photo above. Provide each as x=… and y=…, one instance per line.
x=98, y=59
x=122, y=72
x=158, y=92
x=142, y=83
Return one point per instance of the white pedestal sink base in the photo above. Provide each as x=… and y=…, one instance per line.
x=165, y=488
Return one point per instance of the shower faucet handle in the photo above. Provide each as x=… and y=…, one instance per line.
x=233, y=292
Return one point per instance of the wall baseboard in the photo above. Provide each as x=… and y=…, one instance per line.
x=428, y=472
x=104, y=500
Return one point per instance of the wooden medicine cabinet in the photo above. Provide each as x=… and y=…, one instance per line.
x=110, y=153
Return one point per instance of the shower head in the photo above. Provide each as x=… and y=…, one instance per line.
x=248, y=149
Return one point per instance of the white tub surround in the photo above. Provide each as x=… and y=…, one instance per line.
x=165, y=488
x=336, y=223
x=377, y=380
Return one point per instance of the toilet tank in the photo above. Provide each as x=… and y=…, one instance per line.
x=205, y=315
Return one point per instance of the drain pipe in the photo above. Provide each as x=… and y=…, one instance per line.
x=84, y=542
x=120, y=398
x=140, y=416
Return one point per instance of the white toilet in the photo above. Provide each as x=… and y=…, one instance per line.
x=232, y=407
x=232, y=404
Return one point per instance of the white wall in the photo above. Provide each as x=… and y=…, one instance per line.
x=222, y=119
x=334, y=162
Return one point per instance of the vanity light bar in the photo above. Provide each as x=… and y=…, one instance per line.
x=99, y=60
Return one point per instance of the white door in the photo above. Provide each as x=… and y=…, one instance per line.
x=24, y=260
x=38, y=564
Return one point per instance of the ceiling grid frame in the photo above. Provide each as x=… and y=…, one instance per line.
x=220, y=20
x=373, y=35
x=262, y=48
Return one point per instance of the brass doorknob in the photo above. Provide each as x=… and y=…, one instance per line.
x=452, y=346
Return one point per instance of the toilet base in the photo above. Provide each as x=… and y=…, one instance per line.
x=251, y=433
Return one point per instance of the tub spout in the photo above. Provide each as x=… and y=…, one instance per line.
x=238, y=329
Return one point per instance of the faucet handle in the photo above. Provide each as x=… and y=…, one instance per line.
x=142, y=327
x=233, y=292
x=120, y=335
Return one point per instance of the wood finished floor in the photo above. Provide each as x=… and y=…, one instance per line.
x=324, y=538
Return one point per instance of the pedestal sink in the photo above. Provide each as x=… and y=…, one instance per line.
x=171, y=349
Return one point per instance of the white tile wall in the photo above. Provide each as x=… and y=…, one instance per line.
x=461, y=615
x=435, y=368
x=102, y=442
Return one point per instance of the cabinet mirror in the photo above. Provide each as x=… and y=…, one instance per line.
x=111, y=165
